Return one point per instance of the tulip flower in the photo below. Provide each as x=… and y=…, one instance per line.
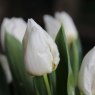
x=5, y=66
x=40, y=51
x=52, y=25
x=86, y=79
x=64, y=19
x=15, y=27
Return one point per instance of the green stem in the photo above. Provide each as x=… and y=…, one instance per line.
x=37, y=92
x=47, y=84
x=81, y=93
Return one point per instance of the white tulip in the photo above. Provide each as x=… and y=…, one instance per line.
x=61, y=18
x=15, y=27
x=52, y=25
x=40, y=51
x=5, y=66
x=86, y=79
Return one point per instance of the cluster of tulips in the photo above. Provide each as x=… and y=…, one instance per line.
x=39, y=62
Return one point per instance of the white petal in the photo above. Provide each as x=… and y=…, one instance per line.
x=52, y=25
x=5, y=66
x=86, y=80
x=14, y=26
x=68, y=24
x=37, y=50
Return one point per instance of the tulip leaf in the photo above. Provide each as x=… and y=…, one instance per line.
x=40, y=85
x=4, y=87
x=65, y=77
x=46, y=84
x=22, y=81
x=79, y=47
x=75, y=56
x=52, y=81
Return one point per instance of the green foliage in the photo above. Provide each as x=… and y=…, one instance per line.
x=63, y=81
x=23, y=83
x=65, y=77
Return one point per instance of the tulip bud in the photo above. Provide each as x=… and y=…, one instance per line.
x=68, y=24
x=40, y=52
x=53, y=25
x=86, y=79
x=15, y=27
x=5, y=66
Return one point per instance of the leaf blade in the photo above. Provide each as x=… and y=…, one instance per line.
x=66, y=81
x=14, y=52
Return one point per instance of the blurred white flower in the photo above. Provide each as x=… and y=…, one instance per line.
x=5, y=66
x=86, y=79
x=61, y=18
x=14, y=26
x=52, y=25
x=40, y=51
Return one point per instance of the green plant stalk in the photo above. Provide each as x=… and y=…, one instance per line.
x=74, y=60
x=52, y=82
x=81, y=93
x=37, y=92
x=47, y=84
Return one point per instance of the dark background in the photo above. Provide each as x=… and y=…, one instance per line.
x=82, y=12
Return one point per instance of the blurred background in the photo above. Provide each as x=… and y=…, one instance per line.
x=82, y=12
